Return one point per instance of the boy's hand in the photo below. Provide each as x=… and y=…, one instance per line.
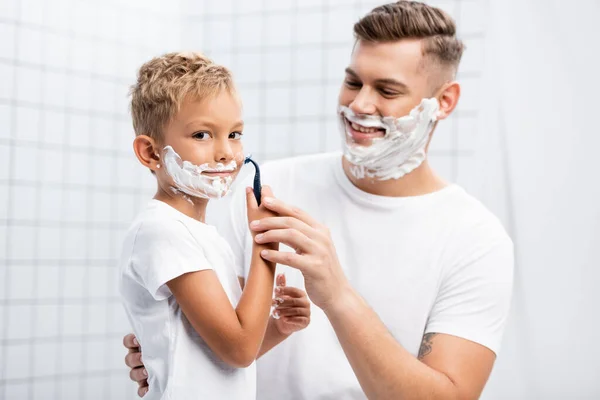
x=292, y=308
x=256, y=212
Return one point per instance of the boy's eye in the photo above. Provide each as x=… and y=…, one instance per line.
x=201, y=135
x=235, y=135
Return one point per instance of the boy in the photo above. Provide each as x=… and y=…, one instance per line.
x=199, y=332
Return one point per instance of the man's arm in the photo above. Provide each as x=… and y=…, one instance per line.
x=449, y=367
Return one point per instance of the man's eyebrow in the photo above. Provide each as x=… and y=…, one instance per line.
x=393, y=82
x=350, y=71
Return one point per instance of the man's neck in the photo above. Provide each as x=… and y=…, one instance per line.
x=193, y=207
x=422, y=180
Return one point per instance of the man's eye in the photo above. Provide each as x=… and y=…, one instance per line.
x=353, y=84
x=201, y=135
x=235, y=135
x=388, y=92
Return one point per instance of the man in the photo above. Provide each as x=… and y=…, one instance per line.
x=413, y=298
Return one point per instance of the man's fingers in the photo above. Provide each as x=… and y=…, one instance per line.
x=142, y=390
x=284, y=209
x=138, y=375
x=271, y=223
x=131, y=342
x=291, y=237
x=286, y=258
x=134, y=360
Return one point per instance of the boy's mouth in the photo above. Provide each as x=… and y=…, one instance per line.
x=222, y=174
x=362, y=133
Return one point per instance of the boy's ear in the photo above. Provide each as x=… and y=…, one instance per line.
x=147, y=152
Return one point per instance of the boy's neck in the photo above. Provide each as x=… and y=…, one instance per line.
x=193, y=207
x=422, y=180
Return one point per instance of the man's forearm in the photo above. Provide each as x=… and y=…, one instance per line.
x=272, y=338
x=385, y=370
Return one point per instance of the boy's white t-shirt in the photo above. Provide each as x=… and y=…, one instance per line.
x=434, y=263
x=162, y=244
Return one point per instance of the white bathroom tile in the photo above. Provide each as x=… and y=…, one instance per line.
x=278, y=65
x=308, y=100
x=32, y=11
x=79, y=130
x=23, y=203
x=29, y=82
x=44, y=390
x=95, y=351
x=71, y=363
x=278, y=102
x=75, y=244
x=78, y=167
x=338, y=59
x=279, y=4
x=22, y=282
x=19, y=321
x=55, y=88
x=100, y=204
x=128, y=168
x=473, y=56
x=5, y=161
x=5, y=120
x=470, y=94
x=249, y=31
x=104, y=96
x=4, y=200
x=307, y=138
x=125, y=207
x=71, y=387
x=57, y=49
x=251, y=99
x=72, y=323
x=28, y=125
x=20, y=245
x=467, y=131
x=26, y=165
x=29, y=49
x=248, y=68
x=79, y=92
x=472, y=17
x=7, y=44
x=219, y=7
x=9, y=9
x=44, y=361
x=339, y=26
x=50, y=203
x=309, y=27
x=277, y=138
x=49, y=275
x=49, y=243
x=75, y=206
x=96, y=319
x=219, y=35
x=278, y=29
x=52, y=161
x=100, y=243
x=54, y=126
x=17, y=391
x=7, y=81
x=309, y=64
x=47, y=320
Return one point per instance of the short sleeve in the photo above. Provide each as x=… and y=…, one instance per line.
x=474, y=298
x=163, y=251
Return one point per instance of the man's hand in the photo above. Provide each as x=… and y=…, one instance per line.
x=292, y=308
x=133, y=360
x=315, y=254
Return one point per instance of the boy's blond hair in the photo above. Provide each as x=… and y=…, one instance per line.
x=164, y=82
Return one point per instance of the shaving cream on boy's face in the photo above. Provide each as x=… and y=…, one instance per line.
x=197, y=180
x=398, y=152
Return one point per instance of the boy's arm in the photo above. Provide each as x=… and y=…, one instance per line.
x=234, y=335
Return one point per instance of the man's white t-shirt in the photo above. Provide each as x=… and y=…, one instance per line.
x=439, y=263
x=162, y=244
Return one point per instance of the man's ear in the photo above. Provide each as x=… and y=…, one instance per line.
x=147, y=152
x=448, y=97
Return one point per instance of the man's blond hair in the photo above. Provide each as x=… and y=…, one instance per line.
x=164, y=82
x=415, y=20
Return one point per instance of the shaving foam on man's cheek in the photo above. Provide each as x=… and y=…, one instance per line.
x=399, y=152
x=189, y=178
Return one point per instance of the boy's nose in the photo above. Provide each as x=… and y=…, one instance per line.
x=223, y=152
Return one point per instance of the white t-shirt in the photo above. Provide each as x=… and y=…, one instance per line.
x=434, y=263
x=162, y=244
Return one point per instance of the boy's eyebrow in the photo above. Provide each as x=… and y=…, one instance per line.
x=210, y=124
x=382, y=81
